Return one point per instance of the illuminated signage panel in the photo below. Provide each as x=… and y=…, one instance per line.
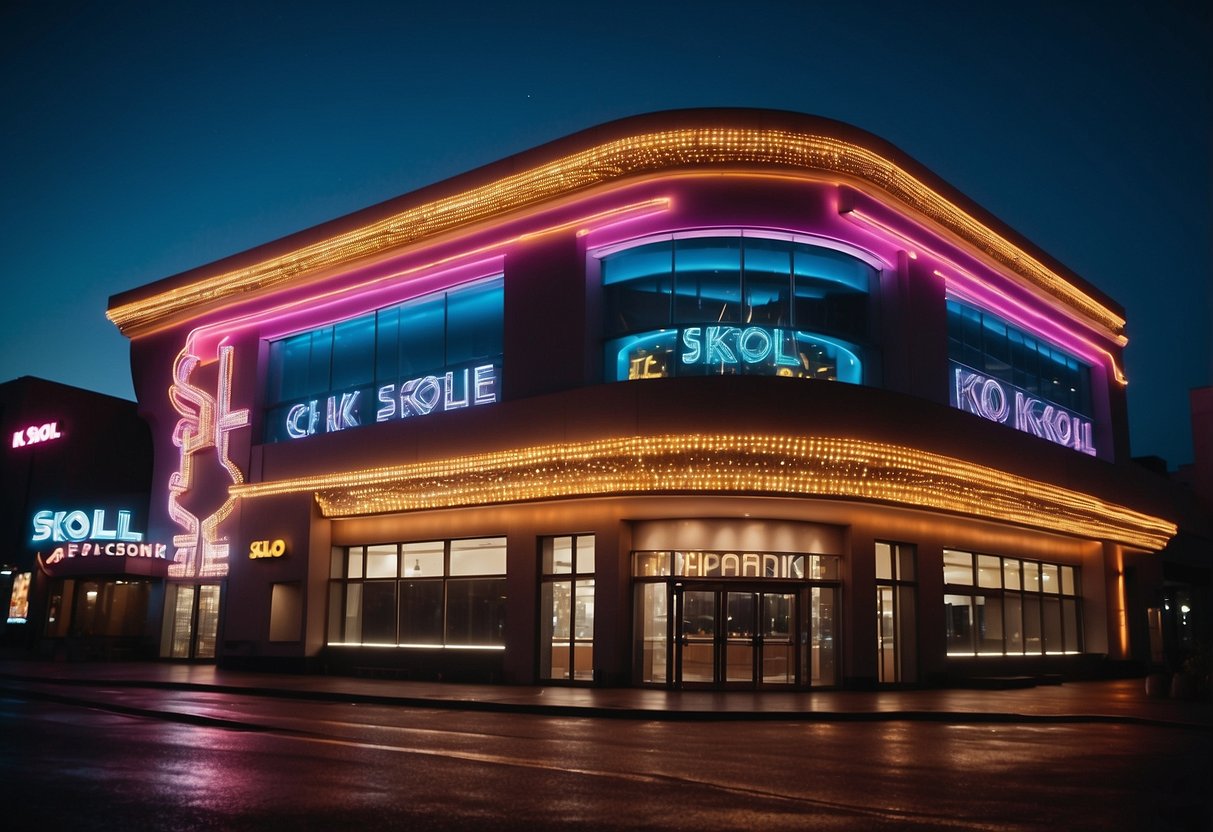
x=439, y=393
x=36, y=434
x=998, y=401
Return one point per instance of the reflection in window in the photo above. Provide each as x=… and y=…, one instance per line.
x=996, y=348
x=566, y=607
x=998, y=617
x=421, y=594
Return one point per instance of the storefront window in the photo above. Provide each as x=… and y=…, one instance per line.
x=1008, y=376
x=735, y=618
x=566, y=598
x=433, y=354
x=420, y=594
x=735, y=305
x=997, y=617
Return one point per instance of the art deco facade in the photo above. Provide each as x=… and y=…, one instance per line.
x=709, y=398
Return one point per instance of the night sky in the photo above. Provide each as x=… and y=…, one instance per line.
x=143, y=139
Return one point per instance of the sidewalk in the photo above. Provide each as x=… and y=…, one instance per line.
x=1116, y=701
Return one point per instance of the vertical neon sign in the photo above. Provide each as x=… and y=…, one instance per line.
x=207, y=421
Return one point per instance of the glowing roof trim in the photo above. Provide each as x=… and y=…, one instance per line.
x=605, y=163
x=728, y=464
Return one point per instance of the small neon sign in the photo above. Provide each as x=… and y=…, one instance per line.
x=36, y=434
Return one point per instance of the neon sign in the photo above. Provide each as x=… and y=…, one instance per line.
x=452, y=390
x=85, y=534
x=1006, y=404
x=36, y=434
x=710, y=349
x=75, y=526
x=731, y=345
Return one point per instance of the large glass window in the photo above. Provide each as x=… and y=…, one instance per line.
x=999, y=350
x=1014, y=606
x=432, y=354
x=896, y=613
x=742, y=304
x=566, y=601
x=419, y=594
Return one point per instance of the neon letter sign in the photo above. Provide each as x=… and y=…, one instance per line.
x=1006, y=404
x=732, y=345
x=75, y=526
x=35, y=434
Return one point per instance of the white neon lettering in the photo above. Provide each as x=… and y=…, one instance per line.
x=387, y=397
x=64, y=526
x=718, y=351
x=35, y=434
x=745, y=345
x=485, y=377
x=989, y=399
x=343, y=414
x=453, y=390
x=295, y=415
x=690, y=340
x=449, y=402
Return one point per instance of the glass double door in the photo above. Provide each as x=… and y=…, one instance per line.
x=734, y=636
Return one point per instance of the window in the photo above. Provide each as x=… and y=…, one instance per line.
x=995, y=348
x=741, y=304
x=566, y=599
x=432, y=354
x=896, y=616
x=440, y=593
x=1013, y=607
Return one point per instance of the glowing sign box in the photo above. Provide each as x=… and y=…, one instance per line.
x=36, y=434
x=998, y=401
x=452, y=390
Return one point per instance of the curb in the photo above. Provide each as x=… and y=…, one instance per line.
x=581, y=711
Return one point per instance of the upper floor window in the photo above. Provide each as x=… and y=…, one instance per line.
x=435, y=353
x=1007, y=375
x=722, y=305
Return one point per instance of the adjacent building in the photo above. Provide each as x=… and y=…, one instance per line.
x=716, y=398
x=82, y=577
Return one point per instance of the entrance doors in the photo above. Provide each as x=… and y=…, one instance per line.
x=191, y=621
x=734, y=636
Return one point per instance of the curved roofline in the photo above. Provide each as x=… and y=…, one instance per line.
x=669, y=141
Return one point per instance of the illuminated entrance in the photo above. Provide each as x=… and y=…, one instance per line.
x=735, y=620
x=191, y=621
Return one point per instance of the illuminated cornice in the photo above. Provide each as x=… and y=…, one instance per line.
x=612, y=161
x=725, y=464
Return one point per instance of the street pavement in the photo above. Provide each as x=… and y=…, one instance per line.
x=1117, y=701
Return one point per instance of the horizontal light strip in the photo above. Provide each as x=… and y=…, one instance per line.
x=768, y=465
x=608, y=162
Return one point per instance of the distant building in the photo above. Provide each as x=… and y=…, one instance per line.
x=82, y=577
x=715, y=398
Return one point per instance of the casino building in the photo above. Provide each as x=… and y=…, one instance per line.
x=713, y=398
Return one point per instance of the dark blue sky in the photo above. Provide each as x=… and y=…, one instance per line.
x=143, y=139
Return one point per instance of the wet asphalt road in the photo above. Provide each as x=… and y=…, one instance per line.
x=98, y=759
